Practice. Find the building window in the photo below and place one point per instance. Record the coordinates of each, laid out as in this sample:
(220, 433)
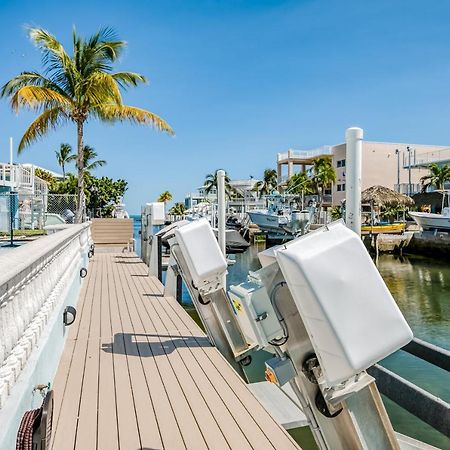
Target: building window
(341, 163)
(339, 188)
(343, 187)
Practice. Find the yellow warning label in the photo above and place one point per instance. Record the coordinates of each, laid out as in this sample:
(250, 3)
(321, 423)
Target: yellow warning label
(270, 376)
(237, 305)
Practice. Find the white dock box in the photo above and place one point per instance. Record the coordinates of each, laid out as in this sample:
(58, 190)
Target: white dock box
(201, 252)
(349, 313)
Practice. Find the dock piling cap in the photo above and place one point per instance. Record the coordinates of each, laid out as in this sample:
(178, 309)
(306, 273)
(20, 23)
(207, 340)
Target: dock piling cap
(354, 133)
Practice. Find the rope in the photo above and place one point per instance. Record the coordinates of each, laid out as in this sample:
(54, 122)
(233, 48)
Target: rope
(28, 424)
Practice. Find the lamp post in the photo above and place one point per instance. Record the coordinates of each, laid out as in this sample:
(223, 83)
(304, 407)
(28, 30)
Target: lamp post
(12, 212)
(93, 191)
(397, 152)
(408, 149)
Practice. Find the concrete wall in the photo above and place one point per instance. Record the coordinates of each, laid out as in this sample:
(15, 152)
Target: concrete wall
(37, 281)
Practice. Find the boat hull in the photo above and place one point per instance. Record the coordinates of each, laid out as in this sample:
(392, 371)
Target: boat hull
(430, 221)
(387, 228)
(268, 222)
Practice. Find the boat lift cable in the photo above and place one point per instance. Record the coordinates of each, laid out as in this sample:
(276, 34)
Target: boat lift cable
(273, 301)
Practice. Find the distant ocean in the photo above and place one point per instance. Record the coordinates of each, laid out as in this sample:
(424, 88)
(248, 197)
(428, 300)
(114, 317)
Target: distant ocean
(136, 231)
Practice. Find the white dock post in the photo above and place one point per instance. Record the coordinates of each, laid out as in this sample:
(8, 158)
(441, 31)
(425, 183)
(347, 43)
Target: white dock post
(353, 138)
(221, 209)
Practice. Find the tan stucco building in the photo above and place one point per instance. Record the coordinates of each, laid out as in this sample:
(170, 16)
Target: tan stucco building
(397, 166)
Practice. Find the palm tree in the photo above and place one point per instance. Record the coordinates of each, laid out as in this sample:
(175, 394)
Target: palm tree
(165, 197)
(323, 176)
(300, 184)
(437, 177)
(89, 159)
(75, 88)
(64, 155)
(178, 209)
(267, 184)
(211, 183)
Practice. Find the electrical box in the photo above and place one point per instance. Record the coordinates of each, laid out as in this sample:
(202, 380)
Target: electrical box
(200, 249)
(157, 213)
(348, 311)
(279, 371)
(255, 313)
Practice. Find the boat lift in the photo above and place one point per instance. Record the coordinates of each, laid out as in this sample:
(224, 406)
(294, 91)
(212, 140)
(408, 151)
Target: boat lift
(321, 307)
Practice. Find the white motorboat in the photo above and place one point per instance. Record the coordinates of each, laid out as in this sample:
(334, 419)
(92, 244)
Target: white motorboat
(285, 224)
(430, 221)
(269, 220)
(433, 221)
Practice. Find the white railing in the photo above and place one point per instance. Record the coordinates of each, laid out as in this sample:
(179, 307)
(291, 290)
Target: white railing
(7, 173)
(35, 279)
(425, 159)
(408, 189)
(19, 177)
(325, 150)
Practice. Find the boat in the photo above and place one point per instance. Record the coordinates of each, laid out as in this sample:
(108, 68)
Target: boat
(234, 242)
(397, 227)
(268, 220)
(433, 221)
(282, 218)
(120, 212)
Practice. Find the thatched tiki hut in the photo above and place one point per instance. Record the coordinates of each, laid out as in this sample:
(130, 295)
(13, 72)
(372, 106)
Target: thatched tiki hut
(382, 196)
(382, 199)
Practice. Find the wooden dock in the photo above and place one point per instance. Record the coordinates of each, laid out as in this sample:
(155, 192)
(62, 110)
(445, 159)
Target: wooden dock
(138, 373)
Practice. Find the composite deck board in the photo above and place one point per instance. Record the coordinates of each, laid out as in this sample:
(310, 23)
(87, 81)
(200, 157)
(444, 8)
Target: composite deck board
(137, 373)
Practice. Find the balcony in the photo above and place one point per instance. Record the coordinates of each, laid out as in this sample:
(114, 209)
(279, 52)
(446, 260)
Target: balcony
(304, 155)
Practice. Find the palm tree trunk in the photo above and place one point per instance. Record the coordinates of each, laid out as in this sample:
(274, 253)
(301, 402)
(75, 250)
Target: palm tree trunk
(81, 199)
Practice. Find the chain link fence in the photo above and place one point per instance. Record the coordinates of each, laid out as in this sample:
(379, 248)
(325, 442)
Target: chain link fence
(20, 211)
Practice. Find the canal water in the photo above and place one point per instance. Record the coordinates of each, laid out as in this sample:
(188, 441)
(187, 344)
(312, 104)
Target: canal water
(421, 287)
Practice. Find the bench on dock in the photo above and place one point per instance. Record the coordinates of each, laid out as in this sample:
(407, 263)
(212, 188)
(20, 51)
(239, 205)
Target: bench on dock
(113, 233)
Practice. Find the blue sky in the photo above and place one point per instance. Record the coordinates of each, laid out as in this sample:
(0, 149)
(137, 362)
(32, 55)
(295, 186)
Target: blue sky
(240, 81)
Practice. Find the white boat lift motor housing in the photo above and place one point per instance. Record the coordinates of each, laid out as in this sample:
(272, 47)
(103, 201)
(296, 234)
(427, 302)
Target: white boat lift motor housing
(206, 263)
(349, 313)
(157, 213)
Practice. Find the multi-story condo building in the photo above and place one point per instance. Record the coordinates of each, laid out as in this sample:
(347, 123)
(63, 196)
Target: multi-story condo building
(397, 166)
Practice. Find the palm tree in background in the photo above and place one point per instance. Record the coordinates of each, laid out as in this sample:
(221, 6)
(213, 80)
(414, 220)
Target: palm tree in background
(300, 184)
(178, 209)
(323, 176)
(165, 197)
(75, 88)
(437, 177)
(267, 184)
(90, 162)
(64, 156)
(210, 183)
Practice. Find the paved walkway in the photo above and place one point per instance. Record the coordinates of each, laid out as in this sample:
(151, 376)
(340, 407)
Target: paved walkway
(137, 373)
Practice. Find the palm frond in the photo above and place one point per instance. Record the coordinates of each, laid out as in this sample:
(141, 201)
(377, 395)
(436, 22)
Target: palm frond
(59, 65)
(126, 79)
(121, 113)
(38, 98)
(50, 119)
(101, 88)
(28, 79)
